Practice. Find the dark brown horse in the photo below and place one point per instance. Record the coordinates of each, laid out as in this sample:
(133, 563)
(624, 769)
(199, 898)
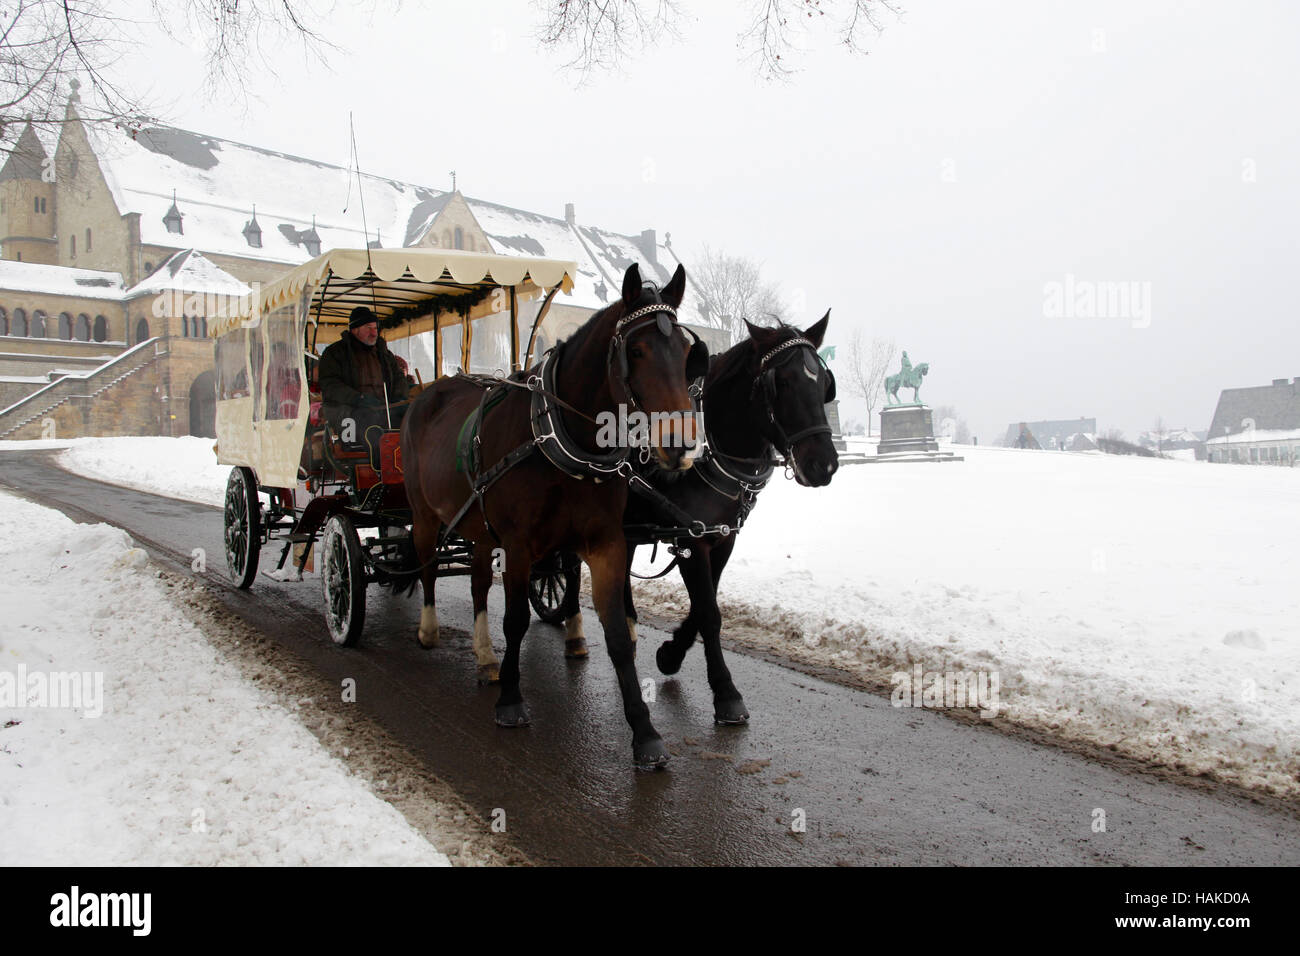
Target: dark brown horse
(632, 355)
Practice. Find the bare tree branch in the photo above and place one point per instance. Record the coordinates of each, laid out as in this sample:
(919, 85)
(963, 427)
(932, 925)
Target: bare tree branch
(602, 34)
(731, 289)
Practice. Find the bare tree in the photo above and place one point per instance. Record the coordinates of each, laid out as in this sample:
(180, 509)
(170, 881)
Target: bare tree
(602, 33)
(1158, 433)
(731, 289)
(869, 363)
(46, 45)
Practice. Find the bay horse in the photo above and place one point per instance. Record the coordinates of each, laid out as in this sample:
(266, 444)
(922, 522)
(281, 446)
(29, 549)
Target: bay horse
(554, 483)
(767, 393)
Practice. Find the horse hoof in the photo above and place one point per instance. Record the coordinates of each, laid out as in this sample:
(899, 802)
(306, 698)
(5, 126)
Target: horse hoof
(512, 715)
(489, 674)
(651, 755)
(428, 642)
(730, 713)
(669, 663)
(575, 647)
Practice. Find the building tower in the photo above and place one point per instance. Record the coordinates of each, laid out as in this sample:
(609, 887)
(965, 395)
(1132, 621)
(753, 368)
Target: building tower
(27, 202)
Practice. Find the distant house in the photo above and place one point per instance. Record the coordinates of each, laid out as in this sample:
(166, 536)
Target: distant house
(1259, 425)
(1076, 434)
(1175, 439)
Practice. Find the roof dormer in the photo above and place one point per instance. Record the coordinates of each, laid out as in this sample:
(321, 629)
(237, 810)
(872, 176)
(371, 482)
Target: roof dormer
(173, 218)
(253, 232)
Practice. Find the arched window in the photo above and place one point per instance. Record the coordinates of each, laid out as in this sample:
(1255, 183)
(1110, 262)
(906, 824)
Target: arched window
(74, 245)
(65, 326)
(141, 330)
(185, 326)
(38, 325)
(148, 268)
(204, 333)
(101, 329)
(87, 238)
(460, 238)
(4, 322)
(82, 330)
(19, 326)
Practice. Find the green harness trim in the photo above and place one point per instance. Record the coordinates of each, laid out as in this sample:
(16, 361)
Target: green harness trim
(466, 459)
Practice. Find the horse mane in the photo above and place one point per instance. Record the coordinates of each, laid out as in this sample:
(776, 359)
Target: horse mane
(734, 360)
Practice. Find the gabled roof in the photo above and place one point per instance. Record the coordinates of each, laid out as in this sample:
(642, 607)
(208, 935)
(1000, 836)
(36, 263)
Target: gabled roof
(27, 158)
(217, 181)
(189, 272)
(1271, 407)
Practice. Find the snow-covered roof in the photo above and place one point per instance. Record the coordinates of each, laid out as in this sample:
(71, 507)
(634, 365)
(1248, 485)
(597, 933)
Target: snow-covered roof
(189, 272)
(602, 256)
(60, 280)
(217, 182)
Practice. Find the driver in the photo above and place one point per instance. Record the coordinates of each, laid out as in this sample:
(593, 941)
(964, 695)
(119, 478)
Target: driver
(358, 374)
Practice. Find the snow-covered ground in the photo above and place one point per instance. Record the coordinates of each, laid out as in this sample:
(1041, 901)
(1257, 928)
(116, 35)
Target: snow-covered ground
(168, 757)
(1145, 605)
(177, 467)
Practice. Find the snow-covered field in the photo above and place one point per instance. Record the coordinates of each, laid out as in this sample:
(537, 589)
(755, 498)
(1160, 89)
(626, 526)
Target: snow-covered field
(1144, 605)
(168, 757)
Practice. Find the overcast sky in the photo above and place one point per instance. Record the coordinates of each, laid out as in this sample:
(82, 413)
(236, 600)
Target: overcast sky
(930, 192)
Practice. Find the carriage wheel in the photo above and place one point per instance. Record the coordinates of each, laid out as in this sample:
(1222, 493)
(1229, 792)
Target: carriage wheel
(243, 522)
(547, 589)
(344, 573)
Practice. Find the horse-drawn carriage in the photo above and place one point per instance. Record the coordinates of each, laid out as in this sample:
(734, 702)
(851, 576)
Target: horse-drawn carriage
(523, 467)
(299, 480)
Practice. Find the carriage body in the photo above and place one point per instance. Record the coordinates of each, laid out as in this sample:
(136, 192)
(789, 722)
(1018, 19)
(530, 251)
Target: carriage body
(296, 482)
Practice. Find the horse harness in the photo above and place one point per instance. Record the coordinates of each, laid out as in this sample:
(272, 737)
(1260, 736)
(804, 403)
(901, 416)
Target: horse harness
(549, 434)
(740, 479)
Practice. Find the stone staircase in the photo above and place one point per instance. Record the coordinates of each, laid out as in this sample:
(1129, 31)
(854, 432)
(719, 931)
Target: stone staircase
(18, 419)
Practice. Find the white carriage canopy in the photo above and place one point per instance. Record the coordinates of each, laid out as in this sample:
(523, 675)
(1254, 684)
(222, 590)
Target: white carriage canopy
(263, 339)
(400, 283)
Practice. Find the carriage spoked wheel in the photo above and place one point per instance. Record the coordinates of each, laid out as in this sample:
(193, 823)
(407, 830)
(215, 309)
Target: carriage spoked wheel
(243, 527)
(344, 573)
(547, 589)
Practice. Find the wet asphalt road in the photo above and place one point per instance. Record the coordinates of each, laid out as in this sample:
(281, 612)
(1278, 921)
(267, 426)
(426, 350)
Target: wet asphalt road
(875, 784)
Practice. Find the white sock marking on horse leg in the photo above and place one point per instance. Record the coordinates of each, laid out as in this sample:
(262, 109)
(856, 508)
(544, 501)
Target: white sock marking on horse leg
(631, 628)
(573, 628)
(428, 626)
(483, 641)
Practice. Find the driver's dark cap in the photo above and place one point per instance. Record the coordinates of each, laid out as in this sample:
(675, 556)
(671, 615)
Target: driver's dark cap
(361, 315)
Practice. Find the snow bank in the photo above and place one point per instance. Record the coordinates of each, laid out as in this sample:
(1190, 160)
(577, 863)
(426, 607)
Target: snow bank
(187, 764)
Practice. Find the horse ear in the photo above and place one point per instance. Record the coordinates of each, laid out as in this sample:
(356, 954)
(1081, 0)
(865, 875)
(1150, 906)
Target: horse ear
(758, 333)
(815, 333)
(631, 285)
(673, 292)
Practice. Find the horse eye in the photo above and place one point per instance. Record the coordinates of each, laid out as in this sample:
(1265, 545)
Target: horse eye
(635, 352)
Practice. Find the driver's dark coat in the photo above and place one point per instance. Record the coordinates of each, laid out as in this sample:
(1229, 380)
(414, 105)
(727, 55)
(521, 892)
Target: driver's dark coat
(339, 378)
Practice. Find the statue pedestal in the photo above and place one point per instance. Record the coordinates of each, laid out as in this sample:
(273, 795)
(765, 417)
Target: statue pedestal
(907, 434)
(833, 419)
(907, 429)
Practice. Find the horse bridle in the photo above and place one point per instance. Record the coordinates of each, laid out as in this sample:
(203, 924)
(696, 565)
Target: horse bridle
(766, 379)
(665, 318)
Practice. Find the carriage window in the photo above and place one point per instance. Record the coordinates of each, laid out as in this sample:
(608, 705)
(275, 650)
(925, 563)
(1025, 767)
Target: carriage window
(232, 376)
(450, 350)
(284, 371)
